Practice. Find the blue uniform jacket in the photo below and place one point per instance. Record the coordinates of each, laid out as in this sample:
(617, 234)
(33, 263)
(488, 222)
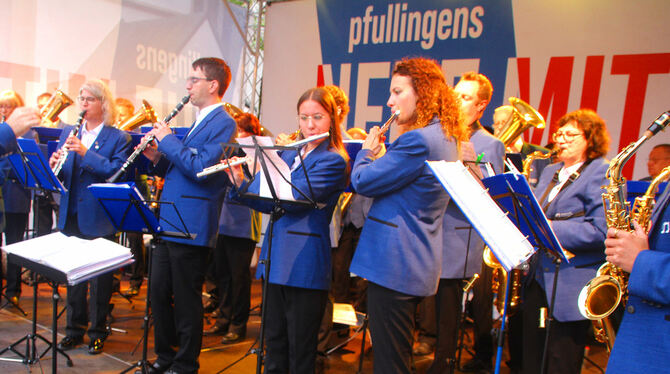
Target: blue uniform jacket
(642, 344)
(301, 237)
(107, 154)
(460, 260)
(578, 218)
(240, 221)
(196, 201)
(7, 139)
(400, 246)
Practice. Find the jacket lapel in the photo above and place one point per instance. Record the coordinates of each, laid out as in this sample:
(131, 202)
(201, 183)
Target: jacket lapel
(202, 125)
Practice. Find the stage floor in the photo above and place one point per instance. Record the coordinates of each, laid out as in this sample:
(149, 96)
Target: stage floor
(123, 348)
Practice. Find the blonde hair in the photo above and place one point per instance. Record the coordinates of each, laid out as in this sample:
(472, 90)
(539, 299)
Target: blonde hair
(102, 92)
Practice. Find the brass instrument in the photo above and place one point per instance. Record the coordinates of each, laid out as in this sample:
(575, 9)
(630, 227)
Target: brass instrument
(146, 114)
(602, 294)
(231, 109)
(61, 161)
(644, 205)
(50, 111)
(150, 138)
(387, 125)
(523, 117)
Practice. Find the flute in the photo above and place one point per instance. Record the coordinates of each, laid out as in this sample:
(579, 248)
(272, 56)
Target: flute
(61, 161)
(387, 125)
(150, 138)
(223, 166)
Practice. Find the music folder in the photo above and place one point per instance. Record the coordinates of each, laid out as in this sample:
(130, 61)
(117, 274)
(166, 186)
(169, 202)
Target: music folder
(125, 207)
(32, 169)
(510, 246)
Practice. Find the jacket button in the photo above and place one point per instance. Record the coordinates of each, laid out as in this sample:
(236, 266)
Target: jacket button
(630, 309)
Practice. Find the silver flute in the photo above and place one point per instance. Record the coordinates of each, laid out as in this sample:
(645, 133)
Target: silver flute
(75, 132)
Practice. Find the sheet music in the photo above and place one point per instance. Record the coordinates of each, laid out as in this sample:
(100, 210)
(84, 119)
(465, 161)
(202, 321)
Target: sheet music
(509, 245)
(77, 258)
(276, 168)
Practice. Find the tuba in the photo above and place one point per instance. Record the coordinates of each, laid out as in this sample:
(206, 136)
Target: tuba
(523, 117)
(602, 295)
(56, 104)
(146, 114)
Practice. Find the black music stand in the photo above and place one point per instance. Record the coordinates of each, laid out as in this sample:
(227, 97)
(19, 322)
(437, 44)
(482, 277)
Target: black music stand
(262, 158)
(56, 276)
(33, 172)
(513, 194)
(129, 212)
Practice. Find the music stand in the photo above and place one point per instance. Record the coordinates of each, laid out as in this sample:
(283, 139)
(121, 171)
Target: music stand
(262, 157)
(33, 172)
(513, 194)
(128, 211)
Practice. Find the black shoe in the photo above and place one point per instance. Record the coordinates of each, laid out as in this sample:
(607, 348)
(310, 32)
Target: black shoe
(422, 349)
(476, 365)
(95, 347)
(232, 337)
(157, 368)
(132, 291)
(70, 342)
(215, 330)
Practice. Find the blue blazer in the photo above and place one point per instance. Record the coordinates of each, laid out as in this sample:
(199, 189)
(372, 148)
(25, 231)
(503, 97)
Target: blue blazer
(642, 344)
(578, 219)
(301, 237)
(240, 221)
(107, 154)
(463, 247)
(400, 246)
(197, 201)
(7, 139)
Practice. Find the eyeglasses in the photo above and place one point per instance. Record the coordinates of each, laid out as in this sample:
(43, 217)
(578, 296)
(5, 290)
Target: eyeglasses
(88, 99)
(567, 136)
(314, 117)
(194, 80)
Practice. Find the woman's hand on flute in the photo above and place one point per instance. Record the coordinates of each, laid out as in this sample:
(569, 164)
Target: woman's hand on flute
(235, 172)
(375, 142)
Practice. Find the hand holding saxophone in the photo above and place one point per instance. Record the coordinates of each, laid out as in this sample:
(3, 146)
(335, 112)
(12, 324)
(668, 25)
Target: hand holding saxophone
(622, 247)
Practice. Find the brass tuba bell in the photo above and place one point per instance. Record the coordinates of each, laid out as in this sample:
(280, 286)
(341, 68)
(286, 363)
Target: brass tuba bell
(146, 114)
(231, 109)
(56, 104)
(523, 117)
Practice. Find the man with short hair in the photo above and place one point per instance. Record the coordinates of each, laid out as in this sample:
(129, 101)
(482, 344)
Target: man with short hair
(659, 158)
(178, 264)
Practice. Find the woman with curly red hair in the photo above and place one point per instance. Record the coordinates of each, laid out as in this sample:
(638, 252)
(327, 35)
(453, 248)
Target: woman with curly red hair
(400, 247)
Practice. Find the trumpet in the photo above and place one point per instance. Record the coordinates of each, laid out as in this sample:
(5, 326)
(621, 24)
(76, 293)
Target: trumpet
(145, 143)
(61, 161)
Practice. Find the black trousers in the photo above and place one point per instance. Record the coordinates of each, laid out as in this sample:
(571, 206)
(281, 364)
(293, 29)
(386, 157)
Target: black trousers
(137, 269)
(45, 210)
(448, 307)
(566, 339)
(15, 229)
(391, 316)
(292, 322)
(176, 300)
(232, 257)
(78, 314)
(482, 308)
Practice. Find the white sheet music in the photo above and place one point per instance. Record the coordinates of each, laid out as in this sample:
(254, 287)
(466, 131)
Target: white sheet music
(276, 168)
(508, 244)
(75, 257)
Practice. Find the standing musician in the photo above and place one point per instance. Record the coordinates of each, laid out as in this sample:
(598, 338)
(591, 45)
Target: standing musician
(239, 231)
(17, 202)
(570, 194)
(400, 247)
(178, 264)
(463, 247)
(642, 344)
(93, 156)
(300, 265)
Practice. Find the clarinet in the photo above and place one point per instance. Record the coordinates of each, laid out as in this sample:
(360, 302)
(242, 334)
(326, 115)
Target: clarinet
(61, 161)
(145, 143)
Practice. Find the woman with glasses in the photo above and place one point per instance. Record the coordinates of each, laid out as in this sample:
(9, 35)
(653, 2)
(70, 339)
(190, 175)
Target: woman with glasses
(300, 265)
(94, 155)
(569, 192)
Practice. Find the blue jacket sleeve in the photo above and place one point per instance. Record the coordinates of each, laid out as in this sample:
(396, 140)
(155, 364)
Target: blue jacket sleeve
(7, 139)
(402, 164)
(650, 278)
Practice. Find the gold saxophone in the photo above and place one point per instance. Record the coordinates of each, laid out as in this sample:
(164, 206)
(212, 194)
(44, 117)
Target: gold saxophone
(602, 294)
(499, 278)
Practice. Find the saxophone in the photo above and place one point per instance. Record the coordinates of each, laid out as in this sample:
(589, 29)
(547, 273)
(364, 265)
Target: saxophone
(603, 294)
